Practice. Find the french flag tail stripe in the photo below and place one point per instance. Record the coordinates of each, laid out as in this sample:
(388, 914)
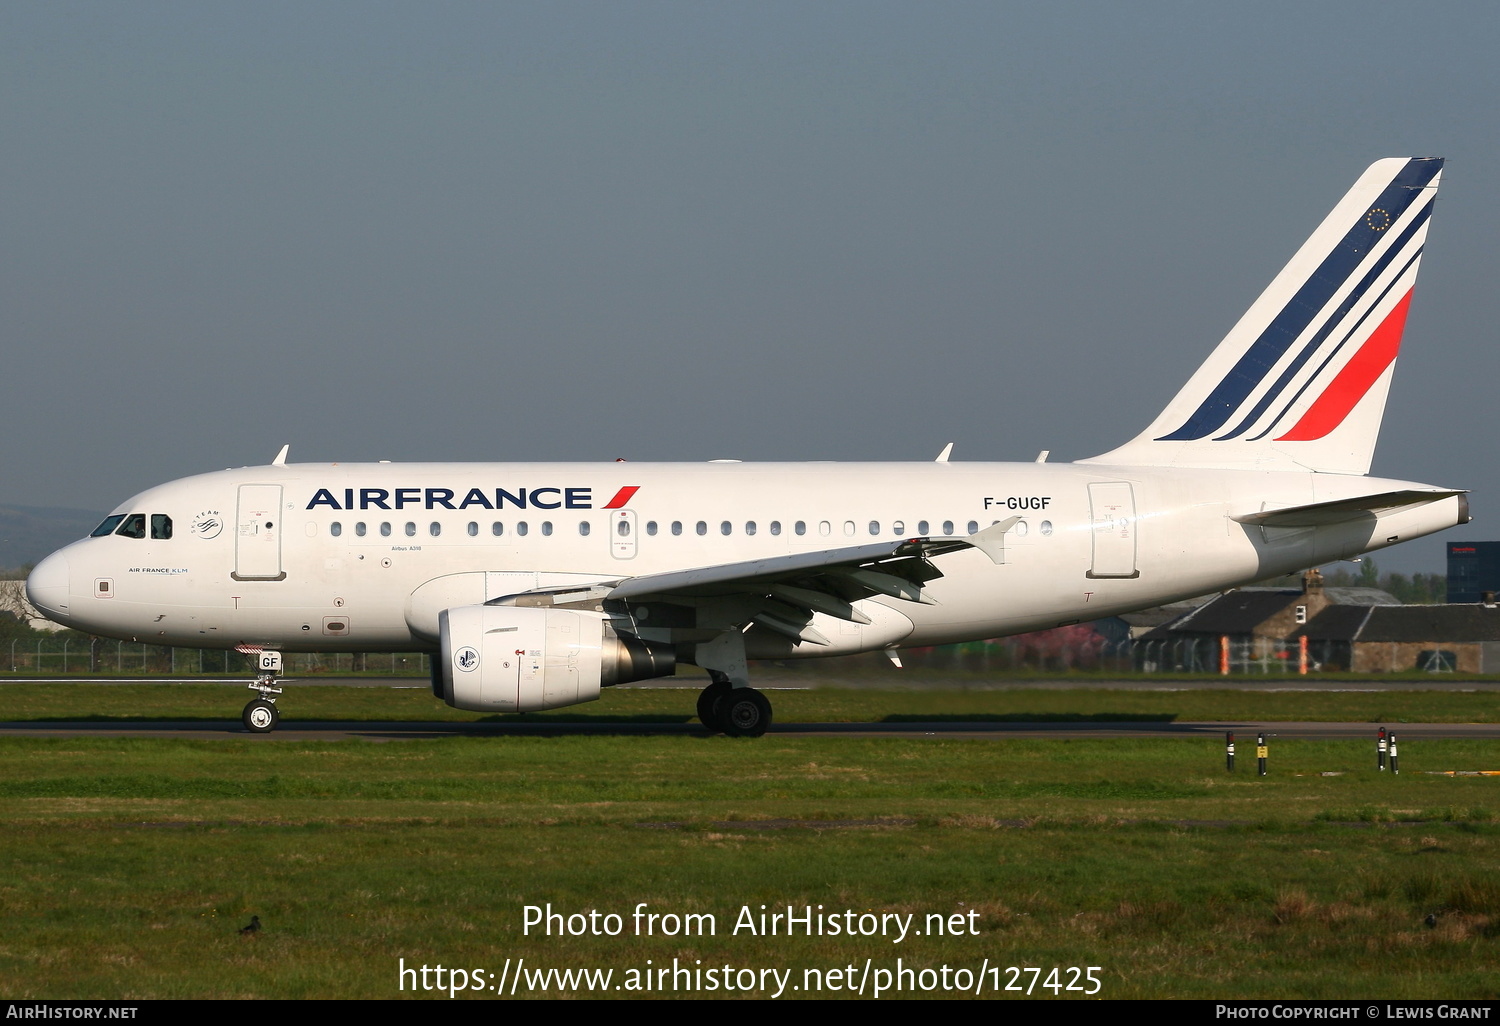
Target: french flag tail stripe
(1403, 279)
(1301, 380)
(1332, 322)
(1354, 380)
(1319, 287)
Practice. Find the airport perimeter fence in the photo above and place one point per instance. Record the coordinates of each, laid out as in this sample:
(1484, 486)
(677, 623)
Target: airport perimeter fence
(1040, 653)
(1195, 656)
(1027, 654)
(62, 656)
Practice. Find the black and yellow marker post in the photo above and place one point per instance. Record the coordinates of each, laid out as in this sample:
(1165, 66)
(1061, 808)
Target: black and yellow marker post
(1260, 754)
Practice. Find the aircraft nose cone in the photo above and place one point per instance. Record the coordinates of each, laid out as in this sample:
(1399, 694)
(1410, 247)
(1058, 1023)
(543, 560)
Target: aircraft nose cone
(47, 587)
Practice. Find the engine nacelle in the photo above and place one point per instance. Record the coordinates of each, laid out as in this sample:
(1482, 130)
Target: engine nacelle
(524, 659)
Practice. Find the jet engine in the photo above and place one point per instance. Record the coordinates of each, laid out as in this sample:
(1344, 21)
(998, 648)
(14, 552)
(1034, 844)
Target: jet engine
(524, 659)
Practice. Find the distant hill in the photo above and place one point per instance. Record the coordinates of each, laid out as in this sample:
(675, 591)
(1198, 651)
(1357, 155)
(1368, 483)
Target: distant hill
(28, 533)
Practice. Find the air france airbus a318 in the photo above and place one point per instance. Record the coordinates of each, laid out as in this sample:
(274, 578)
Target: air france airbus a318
(536, 584)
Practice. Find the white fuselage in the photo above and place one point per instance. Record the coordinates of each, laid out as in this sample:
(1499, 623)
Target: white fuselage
(361, 557)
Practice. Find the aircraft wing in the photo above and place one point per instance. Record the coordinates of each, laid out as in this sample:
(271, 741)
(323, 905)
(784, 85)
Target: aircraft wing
(1320, 514)
(891, 558)
(901, 560)
(783, 592)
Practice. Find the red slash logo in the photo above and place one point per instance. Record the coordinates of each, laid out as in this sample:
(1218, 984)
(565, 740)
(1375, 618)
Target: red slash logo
(623, 496)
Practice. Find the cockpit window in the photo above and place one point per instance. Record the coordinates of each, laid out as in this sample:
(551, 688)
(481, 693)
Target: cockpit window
(109, 525)
(161, 526)
(134, 526)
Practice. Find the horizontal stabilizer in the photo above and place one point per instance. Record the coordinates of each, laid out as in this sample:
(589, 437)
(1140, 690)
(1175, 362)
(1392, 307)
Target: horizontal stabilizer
(1320, 514)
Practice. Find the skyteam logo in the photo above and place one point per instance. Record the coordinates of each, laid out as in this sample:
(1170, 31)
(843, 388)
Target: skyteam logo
(473, 498)
(208, 524)
(1311, 358)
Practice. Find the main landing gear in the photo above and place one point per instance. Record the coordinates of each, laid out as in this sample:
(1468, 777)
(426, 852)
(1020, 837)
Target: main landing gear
(738, 712)
(261, 715)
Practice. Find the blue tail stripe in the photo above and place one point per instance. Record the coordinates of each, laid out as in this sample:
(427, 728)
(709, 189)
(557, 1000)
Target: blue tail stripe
(1299, 311)
(1332, 322)
(1338, 348)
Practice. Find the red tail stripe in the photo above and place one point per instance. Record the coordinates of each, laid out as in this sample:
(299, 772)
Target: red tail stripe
(622, 497)
(1350, 384)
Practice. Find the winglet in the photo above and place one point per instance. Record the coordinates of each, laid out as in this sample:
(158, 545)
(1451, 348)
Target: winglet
(943, 456)
(280, 460)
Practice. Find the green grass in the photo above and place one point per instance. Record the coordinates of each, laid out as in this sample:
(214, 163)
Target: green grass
(127, 865)
(331, 702)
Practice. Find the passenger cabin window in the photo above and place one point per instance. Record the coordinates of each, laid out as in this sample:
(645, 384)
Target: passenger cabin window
(434, 528)
(335, 528)
(109, 525)
(473, 529)
(411, 529)
(497, 529)
(947, 527)
(874, 527)
(776, 527)
(825, 528)
(546, 527)
(899, 527)
(134, 526)
(801, 527)
(702, 528)
(849, 528)
(385, 530)
(521, 528)
(922, 527)
(583, 527)
(973, 527)
(750, 527)
(622, 528)
(725, 527)
(651, 527)
(677, 527)
(359, 529)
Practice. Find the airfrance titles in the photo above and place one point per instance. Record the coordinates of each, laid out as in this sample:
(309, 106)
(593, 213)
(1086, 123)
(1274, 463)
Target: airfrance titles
(546, 497)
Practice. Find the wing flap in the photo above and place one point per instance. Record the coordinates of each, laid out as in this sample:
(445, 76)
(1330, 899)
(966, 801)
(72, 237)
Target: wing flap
(892, 558)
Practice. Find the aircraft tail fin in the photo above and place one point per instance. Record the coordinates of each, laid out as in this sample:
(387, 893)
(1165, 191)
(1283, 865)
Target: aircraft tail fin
(1300, 382)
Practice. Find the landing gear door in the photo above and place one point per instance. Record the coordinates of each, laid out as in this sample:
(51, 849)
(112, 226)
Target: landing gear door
(257, 539)
(622, 533)
(1112, 510)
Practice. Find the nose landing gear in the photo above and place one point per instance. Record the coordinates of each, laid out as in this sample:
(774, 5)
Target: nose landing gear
(261, 715)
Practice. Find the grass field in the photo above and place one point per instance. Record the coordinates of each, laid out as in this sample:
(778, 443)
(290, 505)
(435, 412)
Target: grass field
(129, 864)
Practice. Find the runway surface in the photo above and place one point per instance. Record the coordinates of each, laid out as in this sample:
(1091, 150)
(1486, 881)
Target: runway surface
(291, 730)
(794, 682)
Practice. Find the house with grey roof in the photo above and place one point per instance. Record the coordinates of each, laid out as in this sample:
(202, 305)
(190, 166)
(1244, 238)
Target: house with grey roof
(1379, 639)
(1251, 625)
